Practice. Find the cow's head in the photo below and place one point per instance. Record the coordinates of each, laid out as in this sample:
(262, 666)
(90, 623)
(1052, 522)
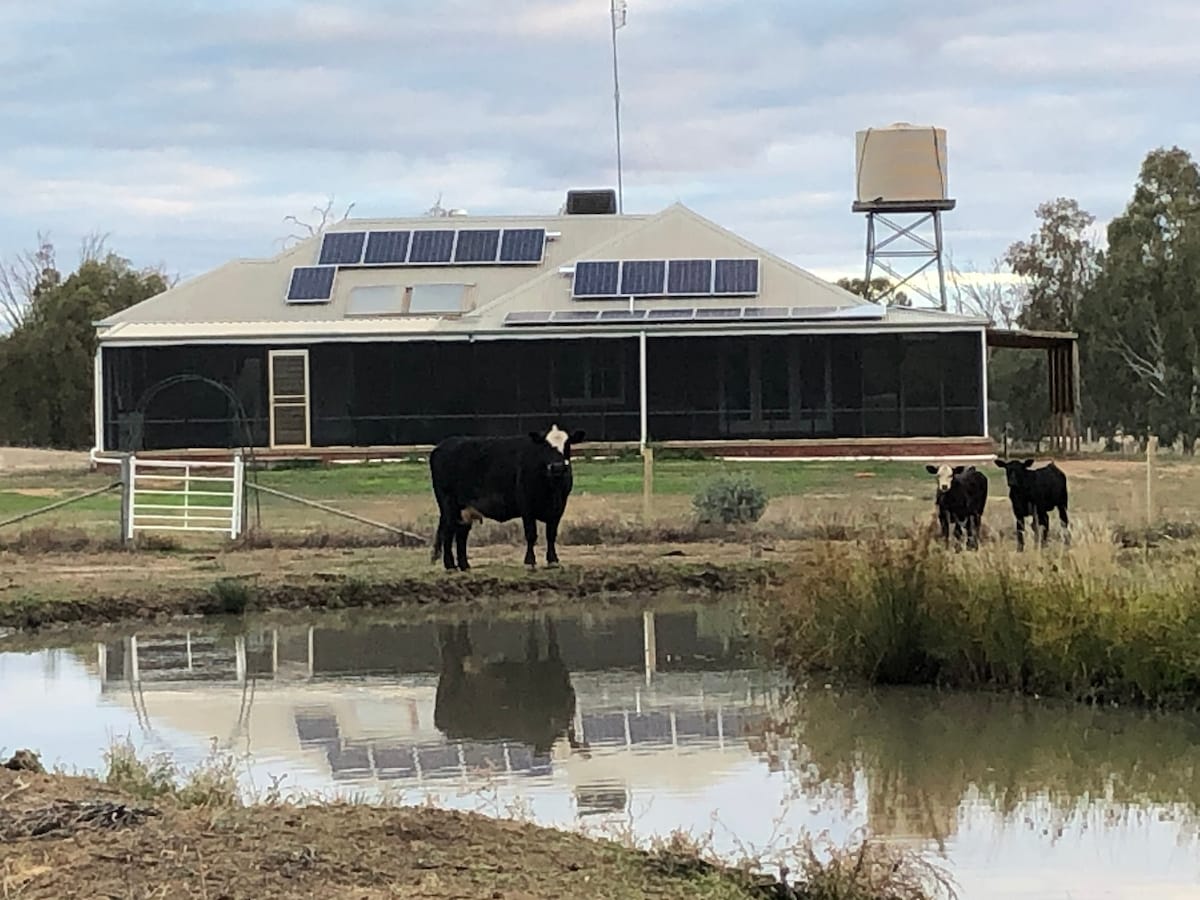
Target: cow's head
(1017, 471)
(555, 445)
(945, 475)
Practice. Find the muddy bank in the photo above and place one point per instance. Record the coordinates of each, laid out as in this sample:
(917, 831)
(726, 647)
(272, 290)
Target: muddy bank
(102, 590)
(75, 837)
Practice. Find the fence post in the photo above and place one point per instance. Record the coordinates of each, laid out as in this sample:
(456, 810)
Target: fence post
(238, 495)
(126, 498)
(1151, 452)
(647, 484)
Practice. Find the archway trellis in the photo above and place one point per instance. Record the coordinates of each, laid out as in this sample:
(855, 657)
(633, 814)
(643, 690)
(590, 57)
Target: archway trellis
(241, 419)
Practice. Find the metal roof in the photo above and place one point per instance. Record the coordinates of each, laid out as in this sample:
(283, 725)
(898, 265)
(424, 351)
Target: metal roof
(244, 300)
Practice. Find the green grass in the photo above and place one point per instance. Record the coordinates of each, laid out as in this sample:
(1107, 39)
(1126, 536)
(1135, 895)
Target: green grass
(616, 476)
(1092, 624)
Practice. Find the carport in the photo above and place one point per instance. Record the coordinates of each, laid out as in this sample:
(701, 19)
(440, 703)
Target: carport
(1062, 357)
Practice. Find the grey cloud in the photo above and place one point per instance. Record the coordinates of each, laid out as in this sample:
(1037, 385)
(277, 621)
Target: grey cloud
(746, 111)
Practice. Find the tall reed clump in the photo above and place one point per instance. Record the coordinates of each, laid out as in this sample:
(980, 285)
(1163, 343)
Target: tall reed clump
(1084, 623)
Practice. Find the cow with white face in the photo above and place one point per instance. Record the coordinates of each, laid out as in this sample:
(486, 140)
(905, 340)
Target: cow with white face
(961, 498)
(501, 478)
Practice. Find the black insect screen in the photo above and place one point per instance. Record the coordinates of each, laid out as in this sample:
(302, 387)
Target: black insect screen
(699, 388)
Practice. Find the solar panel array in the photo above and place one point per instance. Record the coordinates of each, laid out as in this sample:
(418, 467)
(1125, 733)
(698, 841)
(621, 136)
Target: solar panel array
(415, 247)
(710, 314)
(434, 246)
(603, 278)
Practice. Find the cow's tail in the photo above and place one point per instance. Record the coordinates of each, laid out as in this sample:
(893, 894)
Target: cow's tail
(437, 543)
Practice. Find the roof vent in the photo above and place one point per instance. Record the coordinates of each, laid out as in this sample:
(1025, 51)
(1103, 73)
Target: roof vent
(602, 202)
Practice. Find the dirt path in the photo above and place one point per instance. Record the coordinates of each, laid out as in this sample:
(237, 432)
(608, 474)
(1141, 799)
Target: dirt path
(284, 852)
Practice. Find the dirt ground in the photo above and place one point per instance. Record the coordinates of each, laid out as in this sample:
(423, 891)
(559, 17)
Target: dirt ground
(17, 459)
(63, 588)
(284, 852)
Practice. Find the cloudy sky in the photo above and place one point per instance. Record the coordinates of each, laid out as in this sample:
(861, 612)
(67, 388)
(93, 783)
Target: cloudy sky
(188, 129)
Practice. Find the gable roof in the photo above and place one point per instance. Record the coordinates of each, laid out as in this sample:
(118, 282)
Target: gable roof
(246, 297)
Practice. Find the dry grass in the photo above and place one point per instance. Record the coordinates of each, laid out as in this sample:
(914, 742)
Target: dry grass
(1094, 623)
(204, 842)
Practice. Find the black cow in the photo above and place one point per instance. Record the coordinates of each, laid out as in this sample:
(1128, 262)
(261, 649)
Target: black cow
(961, 497)
(501, 478)
(1034, 492)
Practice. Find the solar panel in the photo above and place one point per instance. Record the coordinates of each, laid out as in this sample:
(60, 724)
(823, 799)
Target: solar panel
(477, 245)
(643, 277)
(596, 279)
(431, 246)
(576, 315)
(671, 313)
(689, 276)
(342, 248)
(766, 312)
(522, 244)
(719, 312)
(622, 315)
(386, 247)
(736, 276)
(311, 283)
(527, 317)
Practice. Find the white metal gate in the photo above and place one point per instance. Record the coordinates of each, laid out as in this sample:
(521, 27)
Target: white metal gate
(169, 495)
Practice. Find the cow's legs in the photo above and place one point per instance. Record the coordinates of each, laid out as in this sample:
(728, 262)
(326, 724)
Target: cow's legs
(461, 533)
(551, 538)
(944, 520)
(530, 524)
(448, 535)
(1043, 525)
(1020, 532)
(447, 532)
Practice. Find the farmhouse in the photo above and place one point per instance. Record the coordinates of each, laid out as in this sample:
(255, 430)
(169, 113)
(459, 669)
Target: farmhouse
(379, 335)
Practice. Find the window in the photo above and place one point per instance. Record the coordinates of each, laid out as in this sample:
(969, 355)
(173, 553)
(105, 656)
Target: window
(589, 373)
(424, 299)
(375, 300)
(399, 300)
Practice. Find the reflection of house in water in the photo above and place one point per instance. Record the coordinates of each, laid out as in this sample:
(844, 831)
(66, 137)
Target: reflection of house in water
(609, 700)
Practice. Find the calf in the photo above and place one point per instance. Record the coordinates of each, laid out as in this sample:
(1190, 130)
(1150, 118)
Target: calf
(1034, 492)
(961, 497)
(501, 478)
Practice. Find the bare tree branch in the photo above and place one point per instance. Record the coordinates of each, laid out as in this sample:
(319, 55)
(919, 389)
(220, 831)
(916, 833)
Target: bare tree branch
(992, 299)
(1151, 369)
(93, 247)
(304, 230)
(19, 279)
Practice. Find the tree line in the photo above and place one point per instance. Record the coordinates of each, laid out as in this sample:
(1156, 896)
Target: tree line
(1132, 294)
(47, 350)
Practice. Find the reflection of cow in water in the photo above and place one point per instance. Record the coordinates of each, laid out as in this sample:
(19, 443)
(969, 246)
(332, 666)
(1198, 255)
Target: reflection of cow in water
(529, 700)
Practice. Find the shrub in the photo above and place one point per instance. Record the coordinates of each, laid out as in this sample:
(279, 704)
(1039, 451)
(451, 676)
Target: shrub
(730, 500)
(213, 783)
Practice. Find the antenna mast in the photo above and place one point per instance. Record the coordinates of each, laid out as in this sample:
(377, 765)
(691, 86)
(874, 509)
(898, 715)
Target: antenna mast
(618, 12)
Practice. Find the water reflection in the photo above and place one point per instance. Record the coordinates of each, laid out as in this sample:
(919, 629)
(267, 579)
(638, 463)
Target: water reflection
(651, 721)
(1037, 765)
(459, 700)
(529, 700)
